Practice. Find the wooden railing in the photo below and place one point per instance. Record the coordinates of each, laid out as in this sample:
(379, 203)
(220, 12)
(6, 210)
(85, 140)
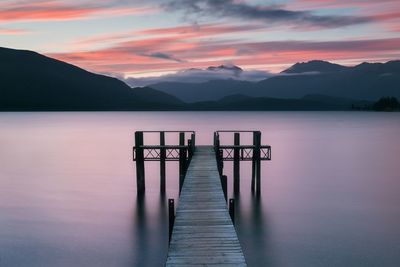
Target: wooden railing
(178, 152)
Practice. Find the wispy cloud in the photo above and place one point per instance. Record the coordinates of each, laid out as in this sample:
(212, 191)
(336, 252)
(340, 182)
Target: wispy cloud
(188, 33)
(383, 13)
(369, 45)
(8, 31)
(390, 20)
(133, 56)
(47, 10)
(203, 30)
(269, 14)
(340, 3)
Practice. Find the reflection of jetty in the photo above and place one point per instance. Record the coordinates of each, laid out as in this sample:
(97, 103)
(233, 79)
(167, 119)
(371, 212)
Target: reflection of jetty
(202, 232)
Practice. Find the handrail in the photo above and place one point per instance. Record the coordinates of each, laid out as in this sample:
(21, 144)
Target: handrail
(168, 131)
(242, 146)
(235, 131)
(161, 146)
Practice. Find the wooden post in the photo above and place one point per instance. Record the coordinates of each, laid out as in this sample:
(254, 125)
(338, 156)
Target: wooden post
(140, 179)
(220, 161)
(215, 140)
(224, 184)
(190, 148)
(193, 138)
(162, 162)
(185, 161)
(258, 162)
(182, 163)
(232, 210)
(236, 163)
(253, 163)
(171, 217)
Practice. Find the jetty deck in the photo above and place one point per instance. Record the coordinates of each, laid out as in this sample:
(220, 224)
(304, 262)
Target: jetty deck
(203, 233)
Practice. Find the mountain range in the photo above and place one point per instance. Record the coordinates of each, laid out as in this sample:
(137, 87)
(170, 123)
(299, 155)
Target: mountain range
(366, 81)
(31, 81)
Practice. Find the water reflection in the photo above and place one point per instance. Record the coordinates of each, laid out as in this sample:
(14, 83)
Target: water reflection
(141, 232)
(150, 230)
(253, 229)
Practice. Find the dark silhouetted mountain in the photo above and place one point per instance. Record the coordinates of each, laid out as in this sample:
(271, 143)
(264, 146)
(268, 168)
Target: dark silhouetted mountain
(151, 95)
(364, 81)
(30, 81)
(234, 98)
(311, 102)
(337, 102)
(211, 90)
(314, 66)
(388, 68)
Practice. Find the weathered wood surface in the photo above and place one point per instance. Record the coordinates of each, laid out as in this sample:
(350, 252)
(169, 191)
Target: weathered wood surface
(203, 233)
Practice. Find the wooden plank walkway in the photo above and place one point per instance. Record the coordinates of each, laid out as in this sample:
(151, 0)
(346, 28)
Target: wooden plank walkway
(203, 233)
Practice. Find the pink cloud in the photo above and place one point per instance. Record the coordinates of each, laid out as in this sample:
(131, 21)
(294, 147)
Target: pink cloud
(141, 55)
(5, 31)
(390, 20)
(188, 33)
(202, 30)
(57, 10)
(388, 16)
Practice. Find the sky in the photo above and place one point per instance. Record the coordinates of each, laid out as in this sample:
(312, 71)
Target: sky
(145, 38)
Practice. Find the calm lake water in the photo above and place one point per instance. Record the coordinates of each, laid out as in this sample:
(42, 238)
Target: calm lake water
(330, 195)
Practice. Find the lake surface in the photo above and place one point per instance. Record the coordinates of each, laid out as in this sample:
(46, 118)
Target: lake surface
(330, 195)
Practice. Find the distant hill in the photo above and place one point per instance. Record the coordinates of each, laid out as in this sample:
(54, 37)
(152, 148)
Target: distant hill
(152, 96)
(30, 81)
(368, 81)
(310, 102)
(314, 66)
(211, 90)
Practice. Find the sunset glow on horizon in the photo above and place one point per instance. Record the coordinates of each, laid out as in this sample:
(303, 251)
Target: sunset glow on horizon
(149, 38)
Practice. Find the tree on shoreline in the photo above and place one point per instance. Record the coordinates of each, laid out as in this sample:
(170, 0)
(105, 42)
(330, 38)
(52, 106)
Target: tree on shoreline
(386, 104)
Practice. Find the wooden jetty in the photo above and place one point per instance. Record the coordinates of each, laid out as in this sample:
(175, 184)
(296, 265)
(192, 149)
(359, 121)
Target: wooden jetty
(202, 232)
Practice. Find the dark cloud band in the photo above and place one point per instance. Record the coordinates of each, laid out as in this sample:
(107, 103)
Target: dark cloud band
(164, 56)
(268, 14)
